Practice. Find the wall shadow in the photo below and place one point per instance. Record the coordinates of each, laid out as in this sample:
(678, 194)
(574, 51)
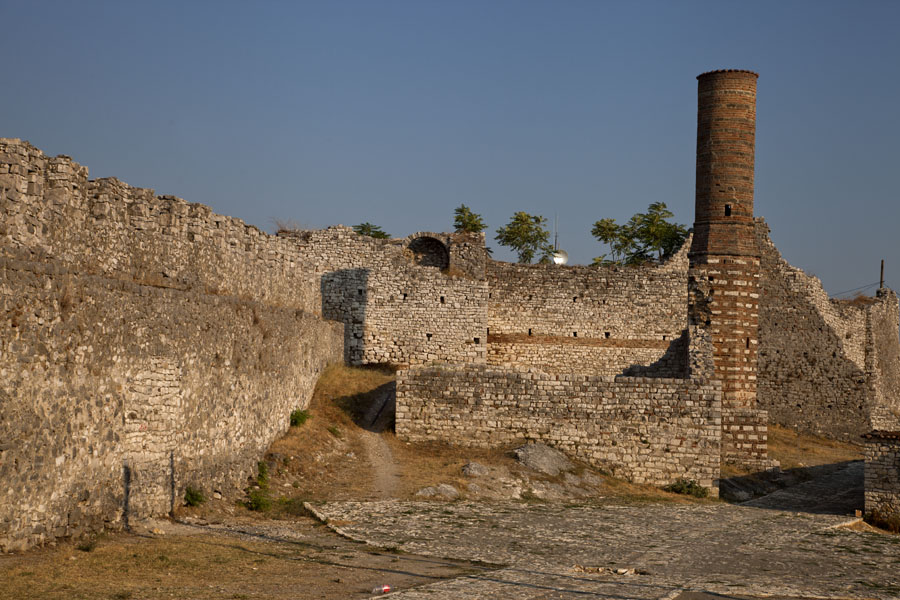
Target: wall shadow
(672, 364)
(344, 299)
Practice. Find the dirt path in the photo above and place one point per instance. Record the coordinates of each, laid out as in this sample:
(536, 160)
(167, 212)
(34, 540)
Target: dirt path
(384, 469)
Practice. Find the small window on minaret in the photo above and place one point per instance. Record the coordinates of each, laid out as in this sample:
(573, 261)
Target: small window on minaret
(727, 210)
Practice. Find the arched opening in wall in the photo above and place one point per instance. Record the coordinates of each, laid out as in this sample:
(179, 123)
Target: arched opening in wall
(429, 252)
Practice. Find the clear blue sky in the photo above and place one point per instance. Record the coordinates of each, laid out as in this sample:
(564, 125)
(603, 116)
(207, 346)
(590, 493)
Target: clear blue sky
(397, 112)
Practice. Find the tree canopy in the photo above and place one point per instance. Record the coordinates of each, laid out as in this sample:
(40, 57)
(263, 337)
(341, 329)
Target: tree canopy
(527, 236)
(645, 237)
(464, 220)
(370, 230)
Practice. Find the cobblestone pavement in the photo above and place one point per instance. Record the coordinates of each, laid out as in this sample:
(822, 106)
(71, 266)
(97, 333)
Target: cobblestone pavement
(838, 493)
(629, 552)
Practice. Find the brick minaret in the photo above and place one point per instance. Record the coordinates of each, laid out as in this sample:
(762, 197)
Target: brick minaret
(724, 258)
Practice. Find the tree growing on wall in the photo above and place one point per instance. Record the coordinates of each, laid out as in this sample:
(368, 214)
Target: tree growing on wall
(527, 236)
(465, 221)
(645, 237)
(371, 230)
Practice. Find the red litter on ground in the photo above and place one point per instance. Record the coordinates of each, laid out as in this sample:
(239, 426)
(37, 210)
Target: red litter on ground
(382, 589)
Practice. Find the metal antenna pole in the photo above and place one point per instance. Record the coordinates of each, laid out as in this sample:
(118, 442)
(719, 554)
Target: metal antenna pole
(881, 284)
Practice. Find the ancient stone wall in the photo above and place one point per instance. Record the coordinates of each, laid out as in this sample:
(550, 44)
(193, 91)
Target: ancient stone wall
(882, 454)
(825, 366)
(51, 211)
(647, 430)
(404, 301)
(145, 345)
(599, 320)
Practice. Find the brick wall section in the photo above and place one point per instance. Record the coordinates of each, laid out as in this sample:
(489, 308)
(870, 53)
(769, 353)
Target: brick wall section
(114, 396)
(826, 367)
(647, 430)
(882, 451)
(724, 258)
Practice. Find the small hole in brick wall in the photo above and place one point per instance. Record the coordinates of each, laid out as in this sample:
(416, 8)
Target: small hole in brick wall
(664, 338)
(529, 296)
(748, 343)
(428, 335)
(574, 334)
(529, 332)
(489, 331)
(575, 299)
(360, 292)
(442, 300)
(477, 340)
(404, 296)
(711, 278)
(606, 334)
(727, 210)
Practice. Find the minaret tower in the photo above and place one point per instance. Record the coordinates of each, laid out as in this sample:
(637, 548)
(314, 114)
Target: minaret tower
(724, 258)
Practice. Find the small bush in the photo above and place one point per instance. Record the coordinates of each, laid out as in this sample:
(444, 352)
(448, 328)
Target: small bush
(688, 487)
(259, 501)
(884, 519)
(263, 478)
(87, 545)
(193, 496)
(299, 417)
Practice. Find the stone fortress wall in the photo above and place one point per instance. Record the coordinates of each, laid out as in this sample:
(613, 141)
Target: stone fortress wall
(882, 472)
(145, 345)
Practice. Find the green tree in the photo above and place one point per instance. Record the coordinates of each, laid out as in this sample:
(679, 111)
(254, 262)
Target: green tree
(645, 237)
(370, 230)
(527, 236)
(466, 221)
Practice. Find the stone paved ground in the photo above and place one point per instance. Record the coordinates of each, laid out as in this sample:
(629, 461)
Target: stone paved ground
(555, 551)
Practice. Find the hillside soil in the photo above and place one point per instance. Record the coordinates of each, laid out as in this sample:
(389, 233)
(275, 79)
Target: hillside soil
(345, 449)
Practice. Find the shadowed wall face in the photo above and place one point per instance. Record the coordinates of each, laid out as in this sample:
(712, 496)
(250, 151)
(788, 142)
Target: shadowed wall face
(724, 258)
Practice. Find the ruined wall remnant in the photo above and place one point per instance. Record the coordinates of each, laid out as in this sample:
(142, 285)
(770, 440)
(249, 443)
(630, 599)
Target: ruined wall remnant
(647, 430)
(724, 258)
(405, 301)
(827, 367)
(599, 320)
(145, 345)
(882, 453)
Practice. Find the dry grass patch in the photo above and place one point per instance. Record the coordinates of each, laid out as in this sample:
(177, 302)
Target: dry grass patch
(795, 450)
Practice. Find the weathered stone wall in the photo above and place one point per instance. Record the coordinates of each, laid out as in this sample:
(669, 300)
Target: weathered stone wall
(826, 367)
(599, 320)
(114, 396)
(404, 301)
(145, 345)
(647, 430)
(882, 454)
(51, 211)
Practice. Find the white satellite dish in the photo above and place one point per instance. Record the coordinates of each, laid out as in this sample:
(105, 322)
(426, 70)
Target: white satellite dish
(560, 257)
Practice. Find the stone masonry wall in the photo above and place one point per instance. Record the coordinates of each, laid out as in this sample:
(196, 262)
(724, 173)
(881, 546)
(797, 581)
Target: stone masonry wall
(51, 211)
(882, 454)
(825, 366)
(647, 430)
(145, 345)
(405, 301)
(599, 320)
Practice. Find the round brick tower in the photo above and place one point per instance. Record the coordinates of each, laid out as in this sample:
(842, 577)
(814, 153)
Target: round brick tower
(724, 258)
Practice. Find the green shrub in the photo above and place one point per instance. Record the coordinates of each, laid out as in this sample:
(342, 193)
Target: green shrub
(193, 496)
(688, 487)
(299, 417)
(259, 500)
(884, 519)
(87, 545)
(263, 478)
